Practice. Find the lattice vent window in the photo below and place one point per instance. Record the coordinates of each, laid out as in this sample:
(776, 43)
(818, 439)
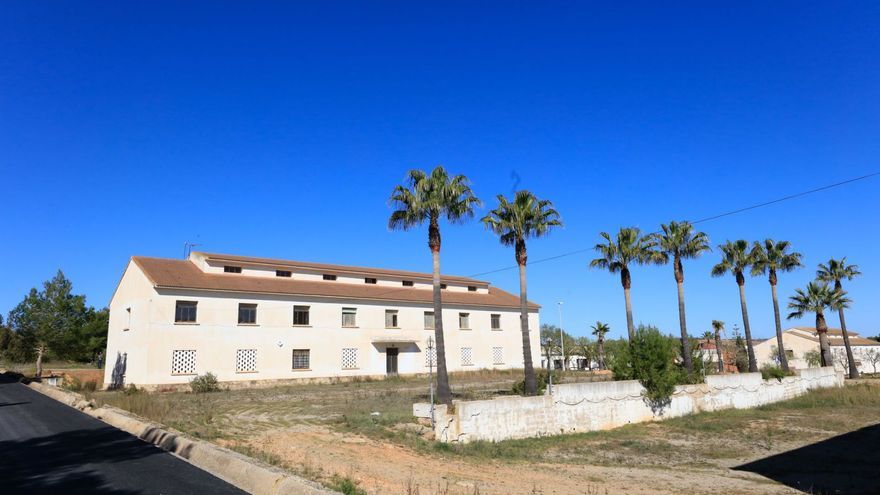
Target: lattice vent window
(349, 359)
(431, 357)
(467, 356)
(183, 362)
(246, 361)
(498, 355)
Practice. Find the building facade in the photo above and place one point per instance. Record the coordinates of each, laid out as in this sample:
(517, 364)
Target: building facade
(799, 341)
(255, 319)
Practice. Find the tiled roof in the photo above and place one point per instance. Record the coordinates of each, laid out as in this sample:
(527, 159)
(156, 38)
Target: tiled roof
(835, 336)
(184, 274)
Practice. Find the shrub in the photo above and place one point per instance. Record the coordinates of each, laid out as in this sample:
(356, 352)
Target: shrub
(90, 386)
(542, 376)
(73, 384)
(131, 389)
(768, 372)
(346, 486)
(204, 383)
(650, 359)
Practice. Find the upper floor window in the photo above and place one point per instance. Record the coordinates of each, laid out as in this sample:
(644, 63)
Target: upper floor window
(232, 269)
(329, 277)
(349, 317)
(391, 318)
(247, 314)
(496, 322)
(283, 273)
(370, 280)
(464, 321)
(443, 286)
(127, 319)
(185, 312)
(301, 315)
(429, 320)
(407, 283)
(471, 288)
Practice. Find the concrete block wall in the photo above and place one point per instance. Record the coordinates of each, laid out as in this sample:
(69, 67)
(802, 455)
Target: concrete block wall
(580, 407)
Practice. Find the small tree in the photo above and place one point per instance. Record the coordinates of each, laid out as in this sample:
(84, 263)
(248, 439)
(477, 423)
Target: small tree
(873, 357)
(813, 358)
(650, 360)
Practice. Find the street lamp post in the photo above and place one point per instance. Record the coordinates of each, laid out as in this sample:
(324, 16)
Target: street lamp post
(561, 337)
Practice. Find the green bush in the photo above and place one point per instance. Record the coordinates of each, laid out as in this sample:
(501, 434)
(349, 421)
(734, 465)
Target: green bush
(768, 372)
(90, 386)
(650, 359)
(346, 486)
(542, 376)
(204, 383)
(131, 389)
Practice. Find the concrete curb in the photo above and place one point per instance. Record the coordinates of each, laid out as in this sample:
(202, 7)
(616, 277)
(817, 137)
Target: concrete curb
(239, 470)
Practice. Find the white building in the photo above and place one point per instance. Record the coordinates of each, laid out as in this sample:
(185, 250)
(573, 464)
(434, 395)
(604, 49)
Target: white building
(798, 341)
(255, 319)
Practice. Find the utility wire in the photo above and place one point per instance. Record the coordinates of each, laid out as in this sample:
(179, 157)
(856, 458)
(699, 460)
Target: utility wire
(707, 219)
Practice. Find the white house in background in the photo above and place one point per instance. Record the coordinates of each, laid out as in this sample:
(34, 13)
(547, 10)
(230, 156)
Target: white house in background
(800, 340)
(253, 319)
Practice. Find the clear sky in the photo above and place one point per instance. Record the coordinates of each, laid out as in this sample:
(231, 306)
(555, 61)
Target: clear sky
(280, 129)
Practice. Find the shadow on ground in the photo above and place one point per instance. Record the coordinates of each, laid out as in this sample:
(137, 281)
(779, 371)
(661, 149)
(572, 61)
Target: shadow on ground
(67, 462)
(847, 464)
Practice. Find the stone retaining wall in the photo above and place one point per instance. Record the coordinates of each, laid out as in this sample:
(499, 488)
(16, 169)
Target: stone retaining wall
(579, 407)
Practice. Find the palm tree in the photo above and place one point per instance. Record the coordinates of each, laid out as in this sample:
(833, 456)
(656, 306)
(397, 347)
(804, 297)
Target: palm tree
(678, 241)
(718, 327)
(516, 221)
(617, 255)
(599, 330)
(835, 271)
(429, 197)
(815, 299)
(773, 257)
(736, 258)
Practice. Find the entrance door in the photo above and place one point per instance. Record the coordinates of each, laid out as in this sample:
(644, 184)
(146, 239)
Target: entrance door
(391, 360)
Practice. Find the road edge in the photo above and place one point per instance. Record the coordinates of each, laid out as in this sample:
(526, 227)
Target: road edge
(236, 469)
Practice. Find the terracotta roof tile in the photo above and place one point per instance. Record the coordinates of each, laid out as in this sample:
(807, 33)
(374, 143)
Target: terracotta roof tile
(184, 274)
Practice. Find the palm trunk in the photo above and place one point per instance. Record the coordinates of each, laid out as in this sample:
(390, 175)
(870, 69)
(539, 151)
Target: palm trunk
(630, 328)
(753, 365)
(783, 359)
(853, 371)
(685, 341)
(40, 350)
(531, 386)
(824, 349)
(718, 351)
(444, 395)
(601, 349)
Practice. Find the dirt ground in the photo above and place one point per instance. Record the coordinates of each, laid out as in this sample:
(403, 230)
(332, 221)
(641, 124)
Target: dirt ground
(322, 432)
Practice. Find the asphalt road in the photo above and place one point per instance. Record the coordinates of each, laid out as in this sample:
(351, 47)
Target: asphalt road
(47, 448)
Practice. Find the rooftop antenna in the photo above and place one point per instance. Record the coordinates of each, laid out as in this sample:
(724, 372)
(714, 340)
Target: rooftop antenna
(187, 248)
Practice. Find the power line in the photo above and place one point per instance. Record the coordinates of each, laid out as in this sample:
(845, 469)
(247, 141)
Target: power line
(707, 219)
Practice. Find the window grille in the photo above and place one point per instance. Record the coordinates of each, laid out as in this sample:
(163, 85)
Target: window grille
(183, 362)
(498, 355)
(300, 315)
(283, 273)
(329, 277)
(232, 269)
(246, 360)
(431, 357)
(300, 359)
(185, 312)
(247, 314)
(407, 283)
(349, 359)
(369, 280)
(467, 358)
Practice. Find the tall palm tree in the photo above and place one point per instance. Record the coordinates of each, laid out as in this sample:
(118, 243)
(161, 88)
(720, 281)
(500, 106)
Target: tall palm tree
(516, 221)
(676, 242)
(599, 330)
(772, 257)
(430, 197)
(718, 327)
(737, 258)
(835, 271)
(617, 255)
(817, 297)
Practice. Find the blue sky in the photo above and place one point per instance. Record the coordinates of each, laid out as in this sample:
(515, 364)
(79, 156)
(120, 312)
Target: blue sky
(280, 129)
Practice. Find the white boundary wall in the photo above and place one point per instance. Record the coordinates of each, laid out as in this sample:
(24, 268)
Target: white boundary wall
(579, 407)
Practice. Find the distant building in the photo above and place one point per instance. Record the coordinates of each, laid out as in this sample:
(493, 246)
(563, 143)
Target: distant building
(798, 341)
(253, 319)
(709, 355)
